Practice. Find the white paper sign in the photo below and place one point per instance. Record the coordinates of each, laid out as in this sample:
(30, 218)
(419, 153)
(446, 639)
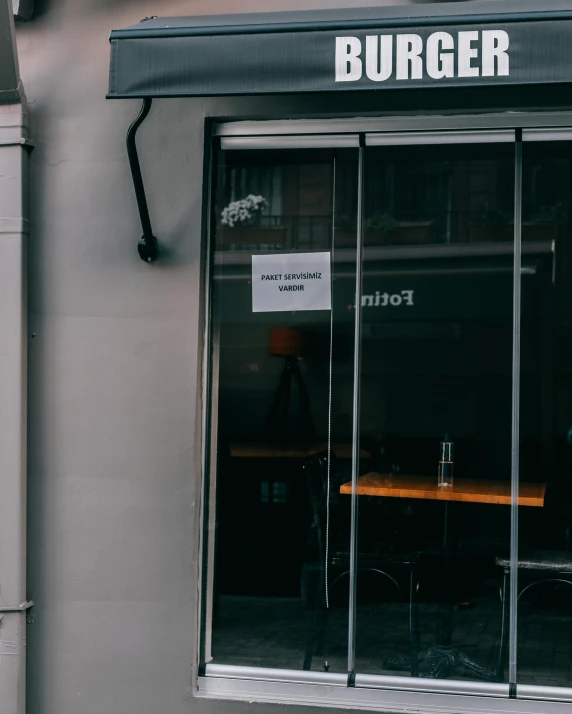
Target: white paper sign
(291, 281)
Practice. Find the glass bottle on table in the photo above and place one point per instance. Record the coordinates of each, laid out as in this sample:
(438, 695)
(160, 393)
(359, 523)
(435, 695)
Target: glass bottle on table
(446, 463)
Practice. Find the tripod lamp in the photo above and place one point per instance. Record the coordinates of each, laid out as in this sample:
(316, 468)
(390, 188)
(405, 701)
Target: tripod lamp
(290, 344)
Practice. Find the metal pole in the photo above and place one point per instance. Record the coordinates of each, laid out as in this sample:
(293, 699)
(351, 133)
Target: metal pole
(356, 421)
(13, 421)
(515, 414)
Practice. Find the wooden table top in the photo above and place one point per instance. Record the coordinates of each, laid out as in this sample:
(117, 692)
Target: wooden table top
(467, 490)
(290, 451)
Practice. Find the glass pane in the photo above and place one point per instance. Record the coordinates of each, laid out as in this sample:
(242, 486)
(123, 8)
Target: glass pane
(544, 644)
(282, 381)
(436, 378)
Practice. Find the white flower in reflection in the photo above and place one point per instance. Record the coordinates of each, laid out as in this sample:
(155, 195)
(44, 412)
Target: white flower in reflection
(243, 211)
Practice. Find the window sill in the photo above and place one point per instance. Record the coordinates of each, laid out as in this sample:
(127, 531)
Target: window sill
(388, 700)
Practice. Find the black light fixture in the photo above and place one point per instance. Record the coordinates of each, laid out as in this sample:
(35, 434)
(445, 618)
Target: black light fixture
(148, 246)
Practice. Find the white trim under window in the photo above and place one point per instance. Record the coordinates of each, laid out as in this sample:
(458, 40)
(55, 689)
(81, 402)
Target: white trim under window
(386, 700)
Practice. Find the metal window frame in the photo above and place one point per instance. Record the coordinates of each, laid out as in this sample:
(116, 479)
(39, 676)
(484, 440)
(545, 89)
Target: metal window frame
(352, 606)
(431, 138)
(356, 690)
(537, 121)
(290, 141)
(547, 134)
(515, 426)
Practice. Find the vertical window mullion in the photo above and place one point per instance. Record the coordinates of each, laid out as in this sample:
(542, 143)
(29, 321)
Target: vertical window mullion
(209, 425)
(515, 430)
(356, 416)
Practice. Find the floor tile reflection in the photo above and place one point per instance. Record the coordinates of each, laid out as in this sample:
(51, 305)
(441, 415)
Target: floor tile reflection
(272, 632)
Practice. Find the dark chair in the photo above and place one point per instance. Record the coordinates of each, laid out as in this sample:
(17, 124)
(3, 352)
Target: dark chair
(540, 567)
(338, 562)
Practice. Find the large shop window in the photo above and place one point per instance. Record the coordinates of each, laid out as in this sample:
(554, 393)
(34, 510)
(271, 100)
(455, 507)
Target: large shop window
(390, 417)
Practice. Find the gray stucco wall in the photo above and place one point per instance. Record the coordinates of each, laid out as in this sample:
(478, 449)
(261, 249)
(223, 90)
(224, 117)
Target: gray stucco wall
(114, 371)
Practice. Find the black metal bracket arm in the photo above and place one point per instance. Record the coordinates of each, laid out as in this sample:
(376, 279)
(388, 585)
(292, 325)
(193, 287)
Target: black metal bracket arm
(148, 246)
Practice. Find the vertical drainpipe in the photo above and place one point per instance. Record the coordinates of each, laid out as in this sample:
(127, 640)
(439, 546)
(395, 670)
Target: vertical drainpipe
(13, 377)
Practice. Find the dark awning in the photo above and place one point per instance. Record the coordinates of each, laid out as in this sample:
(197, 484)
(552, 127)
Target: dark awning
(467, 44)
(10, 86)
